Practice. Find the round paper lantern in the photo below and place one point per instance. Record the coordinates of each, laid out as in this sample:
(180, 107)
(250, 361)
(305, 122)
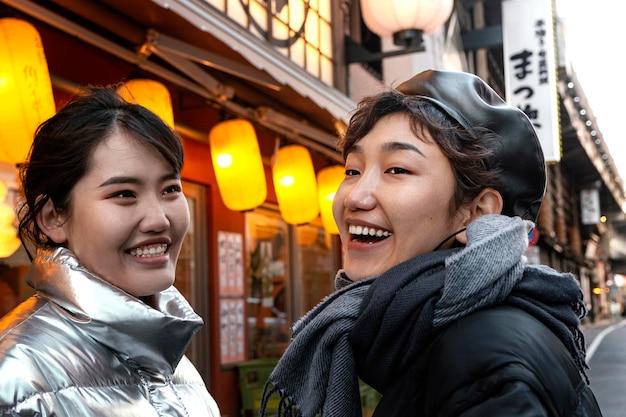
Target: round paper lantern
(26, 98)
(151, 94)
(237, 164)
(328, 181)
(401, 19)
(9, 242)
(295, 184)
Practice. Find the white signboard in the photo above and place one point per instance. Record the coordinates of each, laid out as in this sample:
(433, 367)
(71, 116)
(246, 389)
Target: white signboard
(590, 206)
(530, 68)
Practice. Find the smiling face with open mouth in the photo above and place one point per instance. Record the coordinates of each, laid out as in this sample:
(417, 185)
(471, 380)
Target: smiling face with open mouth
(128, 217)
(394, 202)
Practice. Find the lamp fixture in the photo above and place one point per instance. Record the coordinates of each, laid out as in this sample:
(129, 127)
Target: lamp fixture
(151, 94)
(295, 184)
(405, 21)
(26, 98)
(238, 165)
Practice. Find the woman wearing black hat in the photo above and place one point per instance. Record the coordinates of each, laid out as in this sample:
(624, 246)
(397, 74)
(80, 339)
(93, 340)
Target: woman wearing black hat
(435, 306)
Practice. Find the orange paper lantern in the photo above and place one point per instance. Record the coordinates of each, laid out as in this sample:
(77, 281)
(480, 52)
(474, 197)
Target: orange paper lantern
(26, 98)
(328, 181)
(151, 94)
(295, 184)
(238, 165)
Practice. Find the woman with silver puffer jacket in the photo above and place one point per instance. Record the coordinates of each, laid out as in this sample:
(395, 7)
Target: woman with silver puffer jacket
(82, 347)
(106, 332)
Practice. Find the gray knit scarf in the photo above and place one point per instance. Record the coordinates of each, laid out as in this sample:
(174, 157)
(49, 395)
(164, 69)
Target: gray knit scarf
(376, 327)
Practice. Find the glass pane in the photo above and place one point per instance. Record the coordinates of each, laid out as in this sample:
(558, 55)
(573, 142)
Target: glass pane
(237, 11)
(297, 52)
(324, 9)
(326, 39)
(280, 32)
(312, 60)
(327, 71)
(311, 30)
(316, 267)
(267, 245)
(258, 13)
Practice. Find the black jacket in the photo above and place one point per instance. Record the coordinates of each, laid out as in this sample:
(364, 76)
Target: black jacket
(499, 361)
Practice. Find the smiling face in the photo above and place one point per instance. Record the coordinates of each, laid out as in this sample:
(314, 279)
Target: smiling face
(128, 217)
(395, 200)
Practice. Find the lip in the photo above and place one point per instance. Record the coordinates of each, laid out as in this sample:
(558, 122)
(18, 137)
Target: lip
(154, 259)
(362, 246)
(151, 241)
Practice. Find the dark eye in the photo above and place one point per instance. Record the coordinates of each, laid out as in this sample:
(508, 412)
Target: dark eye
(396, 170)
(173, 189)
(123, 194)
(351, 172)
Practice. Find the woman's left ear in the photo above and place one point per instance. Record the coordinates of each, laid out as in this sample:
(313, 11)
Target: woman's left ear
(51, 223)
(489, 201)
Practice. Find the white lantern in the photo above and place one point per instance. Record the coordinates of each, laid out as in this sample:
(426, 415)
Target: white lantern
(405, 20)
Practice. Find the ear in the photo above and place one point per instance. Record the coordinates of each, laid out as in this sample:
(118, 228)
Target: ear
(51, 223)
(489, 201)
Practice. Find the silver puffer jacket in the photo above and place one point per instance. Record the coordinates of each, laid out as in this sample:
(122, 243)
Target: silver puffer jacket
(82, 347)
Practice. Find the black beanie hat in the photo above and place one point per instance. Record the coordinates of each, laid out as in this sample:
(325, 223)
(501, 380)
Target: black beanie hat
(472, 103)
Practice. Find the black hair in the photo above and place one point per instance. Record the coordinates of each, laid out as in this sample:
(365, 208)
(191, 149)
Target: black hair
(63, 145)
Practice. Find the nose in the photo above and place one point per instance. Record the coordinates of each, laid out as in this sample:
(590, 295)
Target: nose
(155, 217)
(361, 195)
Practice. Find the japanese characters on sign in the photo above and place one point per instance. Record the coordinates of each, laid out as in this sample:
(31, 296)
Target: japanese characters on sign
(530, 68)
(231, 297)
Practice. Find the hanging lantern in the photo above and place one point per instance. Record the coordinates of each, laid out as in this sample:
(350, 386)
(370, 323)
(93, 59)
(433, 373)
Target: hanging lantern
(26, 98)
(238, 165)
(9, 242)
(151, 94)
(295, 184)
(328, 181)
(405, 20)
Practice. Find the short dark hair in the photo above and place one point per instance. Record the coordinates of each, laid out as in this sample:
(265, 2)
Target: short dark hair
(63, 145)
(466, 149)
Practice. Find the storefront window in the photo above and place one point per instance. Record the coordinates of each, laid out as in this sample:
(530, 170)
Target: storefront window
(268, 275)
(291, 270)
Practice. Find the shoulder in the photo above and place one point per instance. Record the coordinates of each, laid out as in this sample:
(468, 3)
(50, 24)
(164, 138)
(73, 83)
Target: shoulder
(499, 336)
(190, 383)
(503, 349)
(42, 351)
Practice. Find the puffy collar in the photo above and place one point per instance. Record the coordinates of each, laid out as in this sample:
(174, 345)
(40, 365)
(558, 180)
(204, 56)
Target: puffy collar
(146, 337)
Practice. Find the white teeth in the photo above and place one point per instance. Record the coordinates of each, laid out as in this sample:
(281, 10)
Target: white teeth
(149, 251)
(368, 231)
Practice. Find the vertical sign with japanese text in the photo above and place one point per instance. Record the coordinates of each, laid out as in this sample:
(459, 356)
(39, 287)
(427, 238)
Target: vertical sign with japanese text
(530, 68)
(590, 206)
(231, 297)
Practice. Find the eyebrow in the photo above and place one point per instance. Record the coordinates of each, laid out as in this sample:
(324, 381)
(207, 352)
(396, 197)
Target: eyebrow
(134, 180)
(390, 147)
